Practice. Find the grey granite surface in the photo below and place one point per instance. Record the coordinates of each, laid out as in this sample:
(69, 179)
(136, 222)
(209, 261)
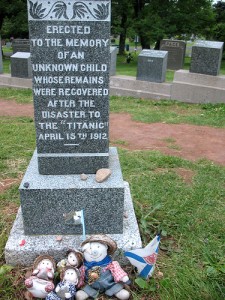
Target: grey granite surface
(70, 55)
(21, 65)
(206, 57)
(45, 199)
(21, 45)
(152, 65)
(113, 54)
(176, 53)
(36, 245)
(77, 163)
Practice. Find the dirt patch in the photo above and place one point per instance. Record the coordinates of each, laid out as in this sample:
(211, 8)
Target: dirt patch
(192, 142)
(186, 174)
(7, 183)
(188, 141)
(14, 109)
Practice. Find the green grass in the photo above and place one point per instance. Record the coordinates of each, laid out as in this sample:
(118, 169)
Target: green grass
(19, 95)
(143, 110)
(190, 214)
(6, 66)
(173, 112)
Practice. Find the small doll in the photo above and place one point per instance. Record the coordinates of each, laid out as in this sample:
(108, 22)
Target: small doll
(66, 289)
(100, 273)
(40, 283)
(74, 259)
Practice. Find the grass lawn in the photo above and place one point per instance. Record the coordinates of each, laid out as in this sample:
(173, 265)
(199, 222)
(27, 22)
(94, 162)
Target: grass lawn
(190, 213)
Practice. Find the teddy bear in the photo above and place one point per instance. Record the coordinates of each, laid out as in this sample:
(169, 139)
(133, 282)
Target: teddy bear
(40, 283)
(100, 273)
(66, 288)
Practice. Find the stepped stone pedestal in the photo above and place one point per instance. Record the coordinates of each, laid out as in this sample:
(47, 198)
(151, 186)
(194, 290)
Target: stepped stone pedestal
(41, 244)
(49, 201)
(70, 60)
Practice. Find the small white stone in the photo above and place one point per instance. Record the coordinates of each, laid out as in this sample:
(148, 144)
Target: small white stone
(83, 176)
(59, 238)
(102, 174)
(125, 214)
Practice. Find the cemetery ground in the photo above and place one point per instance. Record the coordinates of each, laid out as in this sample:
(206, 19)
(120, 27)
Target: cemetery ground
(182, 196)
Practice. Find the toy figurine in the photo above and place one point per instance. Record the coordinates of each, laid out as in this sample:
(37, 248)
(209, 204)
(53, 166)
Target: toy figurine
(66, 289)
(74, 259)
(100, 273)
(40, 283)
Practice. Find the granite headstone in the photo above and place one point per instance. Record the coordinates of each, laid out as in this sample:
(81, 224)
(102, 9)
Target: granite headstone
(21, 45)
(206, 57)
(70, 58)
(21, 65)
(176, 53)
(152, 65)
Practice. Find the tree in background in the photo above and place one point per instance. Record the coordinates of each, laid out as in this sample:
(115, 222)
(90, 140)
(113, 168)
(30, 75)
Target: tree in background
(219, 28)
(13, 18)
(151, 20)
(122, 12)
(155, 20)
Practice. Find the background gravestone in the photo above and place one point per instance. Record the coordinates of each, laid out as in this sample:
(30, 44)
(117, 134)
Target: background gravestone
(21, 65)
(206, 57)
(1, 61)
(152, 65)
(21, 45)
(113, 54)
(176, 53)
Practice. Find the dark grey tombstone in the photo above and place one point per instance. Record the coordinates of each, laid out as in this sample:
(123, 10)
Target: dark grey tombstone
(152, 65)
(206, 57)
(176, 53)
(70, 57)
(21, 65)
(113, 53)
(21, 45)
(1, 61)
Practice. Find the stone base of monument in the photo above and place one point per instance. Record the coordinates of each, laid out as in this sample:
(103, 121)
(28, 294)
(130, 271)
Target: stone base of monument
(41, 244)
(198, 88)
(129, 86)
(49, 202)
(14, 82)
